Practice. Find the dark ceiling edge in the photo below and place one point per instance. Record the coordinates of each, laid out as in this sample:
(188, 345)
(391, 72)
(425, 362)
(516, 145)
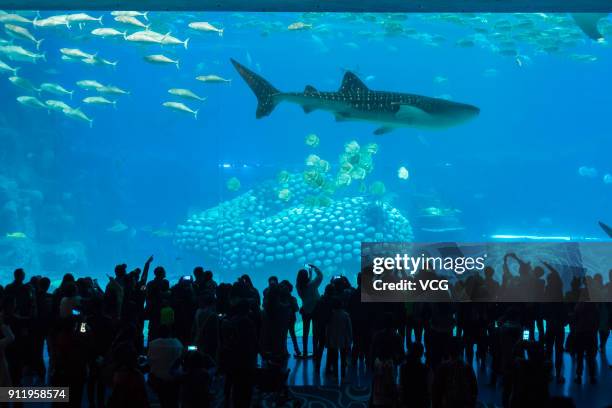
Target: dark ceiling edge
(318, 5)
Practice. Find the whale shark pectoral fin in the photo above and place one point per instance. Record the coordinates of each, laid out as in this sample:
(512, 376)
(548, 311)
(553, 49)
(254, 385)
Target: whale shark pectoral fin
(607, 229)
(307, 108)
(587, 22)
(383, 130)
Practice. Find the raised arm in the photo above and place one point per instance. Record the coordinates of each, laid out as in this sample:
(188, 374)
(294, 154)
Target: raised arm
(549, 267)
(319, 278)
(145, 272)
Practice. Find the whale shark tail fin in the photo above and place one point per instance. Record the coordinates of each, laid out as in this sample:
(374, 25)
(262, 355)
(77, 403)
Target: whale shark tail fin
(262, 89)
(607, 229)
(587, 22)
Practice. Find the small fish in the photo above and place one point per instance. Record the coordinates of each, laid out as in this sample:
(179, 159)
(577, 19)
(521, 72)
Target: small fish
(55, 89)
(108, 32)
(18, 53)
(205, 26)
(583, 57)
(31, 102)
(82, 18)
(16, 235)
(299, 26)
(161, 59)
(5, 67)
(89, 84)
(99, 100)
(113, 90)
(144, 15)
(75, 53)
(95, 60)
(117, 227)
(440, 79)
(162, 233)
(52, 21)
(23, 84)
(130, 20)
(185, 93)
(147, 37)
(170, 40)
(55, 105)
(215, 79)
(19, 32)
(77, 114)
(180, 107)
(70, 59)
(14, 18)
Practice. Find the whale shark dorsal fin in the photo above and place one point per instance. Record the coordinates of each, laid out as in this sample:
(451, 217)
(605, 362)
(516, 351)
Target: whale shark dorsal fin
(587, 22)
(351, 84)
(309, 90)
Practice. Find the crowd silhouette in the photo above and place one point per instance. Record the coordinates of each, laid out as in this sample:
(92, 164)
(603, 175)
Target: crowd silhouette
(210, 343)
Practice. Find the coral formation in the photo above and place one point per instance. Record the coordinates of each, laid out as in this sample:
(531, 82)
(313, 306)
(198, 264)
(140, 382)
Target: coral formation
(259, 228)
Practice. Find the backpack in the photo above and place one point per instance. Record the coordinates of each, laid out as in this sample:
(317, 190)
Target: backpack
(166, 316)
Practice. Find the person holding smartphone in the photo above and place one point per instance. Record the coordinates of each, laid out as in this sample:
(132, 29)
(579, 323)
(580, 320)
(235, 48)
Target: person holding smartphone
(308, 292)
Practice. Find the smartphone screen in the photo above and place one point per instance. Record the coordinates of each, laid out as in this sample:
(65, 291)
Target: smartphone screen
(192, 348)
(525, 335)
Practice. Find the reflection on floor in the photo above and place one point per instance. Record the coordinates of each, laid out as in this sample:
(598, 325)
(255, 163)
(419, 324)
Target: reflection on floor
(358, 381)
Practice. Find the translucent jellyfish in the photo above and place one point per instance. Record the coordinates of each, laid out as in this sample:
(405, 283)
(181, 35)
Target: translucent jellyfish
(371, 148)
(344, 179)
(284, 194)
(312, 160)
(346, 167)
(402, 173)
(365, 159)
(351, 147)
(313, 178)
(233, 184)
(607, 178)
(283, 176)
(324, 166)
(312, 140)
(358, 173)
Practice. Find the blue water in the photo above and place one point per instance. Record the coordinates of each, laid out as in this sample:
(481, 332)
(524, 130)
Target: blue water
(512, 170)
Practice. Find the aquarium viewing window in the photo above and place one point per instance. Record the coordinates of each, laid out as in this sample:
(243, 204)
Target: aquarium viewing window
(214, 134)
(186, 184)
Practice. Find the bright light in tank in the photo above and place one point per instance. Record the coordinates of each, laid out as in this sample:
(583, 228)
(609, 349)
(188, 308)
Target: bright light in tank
(531, 237)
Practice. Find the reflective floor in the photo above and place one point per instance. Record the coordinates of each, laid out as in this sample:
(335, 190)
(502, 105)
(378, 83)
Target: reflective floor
(585, 395)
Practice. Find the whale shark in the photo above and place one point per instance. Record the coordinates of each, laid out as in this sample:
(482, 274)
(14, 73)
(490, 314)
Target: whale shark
(607, 229)
(355, 101)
